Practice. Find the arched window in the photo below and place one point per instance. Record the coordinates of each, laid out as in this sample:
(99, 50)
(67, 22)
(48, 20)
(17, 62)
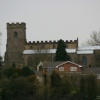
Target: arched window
(15, 34)
(84, 60)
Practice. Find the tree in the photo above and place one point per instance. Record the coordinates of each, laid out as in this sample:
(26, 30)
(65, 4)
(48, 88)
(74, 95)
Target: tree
(94, 39)
(61, 54)
(18, 89)
(82, 85)
(0, 61)
(55, 85)
(55, 79)
(41, 54)
(91, 87)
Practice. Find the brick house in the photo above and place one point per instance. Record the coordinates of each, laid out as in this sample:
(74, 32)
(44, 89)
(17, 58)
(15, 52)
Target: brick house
(62, 67)
(68, 67)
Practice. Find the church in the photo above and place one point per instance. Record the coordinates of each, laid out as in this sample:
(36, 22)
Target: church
(22, 53)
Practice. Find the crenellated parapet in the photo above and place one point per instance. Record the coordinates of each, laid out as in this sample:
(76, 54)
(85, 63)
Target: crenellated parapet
(16, 25)
(71, 41)
(52, 42)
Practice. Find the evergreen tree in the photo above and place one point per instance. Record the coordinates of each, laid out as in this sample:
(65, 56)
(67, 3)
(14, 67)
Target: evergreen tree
(61, 54)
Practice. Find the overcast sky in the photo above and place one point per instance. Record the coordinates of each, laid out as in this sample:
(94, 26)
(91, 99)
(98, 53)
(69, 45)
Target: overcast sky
(51, 19)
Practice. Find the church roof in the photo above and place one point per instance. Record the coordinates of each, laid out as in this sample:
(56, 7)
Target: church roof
(46, 51)
(79, 50)
(85, 52)
(89, 48)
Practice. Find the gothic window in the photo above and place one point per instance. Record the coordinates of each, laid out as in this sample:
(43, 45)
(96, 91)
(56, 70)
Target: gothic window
(15, 34)
(84, 60)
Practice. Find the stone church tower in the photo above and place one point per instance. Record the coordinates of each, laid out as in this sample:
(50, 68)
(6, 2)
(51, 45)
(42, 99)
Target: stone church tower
(16, 38)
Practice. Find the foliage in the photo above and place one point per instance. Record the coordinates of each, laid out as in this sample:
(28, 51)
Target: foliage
(61, 54)
(0, 62)
(12, 72)
(8, 72)
(91, 87)
(65, 87)
(55, 84)
(45, 79)
(22, 84)
(18, 89)
(82, 87)
(55, 79)
(26, 71)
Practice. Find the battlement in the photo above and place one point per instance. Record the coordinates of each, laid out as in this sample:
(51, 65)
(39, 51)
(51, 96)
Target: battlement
(16, 25)
(71, 41)
(51, 42)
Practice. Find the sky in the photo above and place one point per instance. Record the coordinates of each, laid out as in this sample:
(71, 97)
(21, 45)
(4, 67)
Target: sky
(51, 19)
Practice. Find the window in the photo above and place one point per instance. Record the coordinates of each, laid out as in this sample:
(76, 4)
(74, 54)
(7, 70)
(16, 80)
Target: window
(73, 68)
(61, 68)
(15, 34)
(98, 76)
(84, 60)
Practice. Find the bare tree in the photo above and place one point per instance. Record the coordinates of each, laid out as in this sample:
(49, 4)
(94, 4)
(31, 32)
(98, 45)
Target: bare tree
(94, 39)
(41, 54)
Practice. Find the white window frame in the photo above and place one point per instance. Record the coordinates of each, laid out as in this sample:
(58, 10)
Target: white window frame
(98, 76)
(73, 69)
(61, 68)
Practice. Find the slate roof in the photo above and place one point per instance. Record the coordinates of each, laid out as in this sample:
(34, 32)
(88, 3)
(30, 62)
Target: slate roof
(95, 70)
(52, 64)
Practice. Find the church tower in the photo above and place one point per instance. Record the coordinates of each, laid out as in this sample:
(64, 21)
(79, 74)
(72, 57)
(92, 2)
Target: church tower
(16, 38)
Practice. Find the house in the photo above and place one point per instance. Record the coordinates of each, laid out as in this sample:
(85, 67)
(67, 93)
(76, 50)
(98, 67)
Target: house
(62, 67)
(68, 67)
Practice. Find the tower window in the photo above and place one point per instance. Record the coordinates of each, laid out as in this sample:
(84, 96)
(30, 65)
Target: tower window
(15, 34)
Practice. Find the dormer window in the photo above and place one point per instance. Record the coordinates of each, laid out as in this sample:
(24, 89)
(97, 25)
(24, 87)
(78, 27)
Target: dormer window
(15, 34)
